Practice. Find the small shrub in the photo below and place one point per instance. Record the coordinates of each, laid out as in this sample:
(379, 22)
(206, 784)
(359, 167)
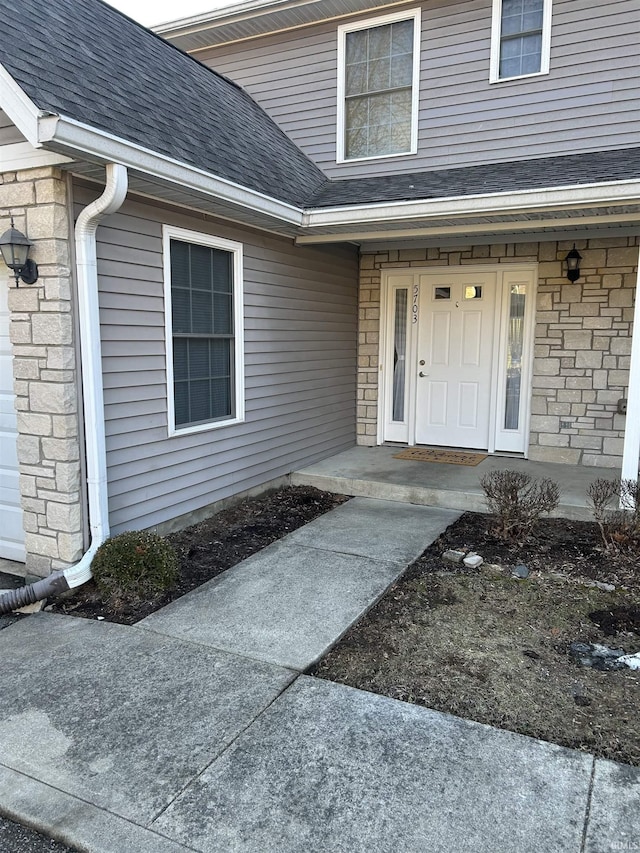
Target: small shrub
(517, 501)
(134, 566)
(620, 523)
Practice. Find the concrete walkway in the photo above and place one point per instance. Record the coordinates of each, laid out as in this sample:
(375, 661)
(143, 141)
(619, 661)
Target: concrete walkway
(195, 730)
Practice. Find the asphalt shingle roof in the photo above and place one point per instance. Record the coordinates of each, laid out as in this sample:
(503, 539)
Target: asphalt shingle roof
(87, 61)
(568, 170)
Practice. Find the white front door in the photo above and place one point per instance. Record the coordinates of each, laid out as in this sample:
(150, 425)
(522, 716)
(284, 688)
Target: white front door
(11, 529)
(455, 355)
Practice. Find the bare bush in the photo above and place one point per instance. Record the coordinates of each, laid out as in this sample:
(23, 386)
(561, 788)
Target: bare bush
(615, 505)
(517, 501)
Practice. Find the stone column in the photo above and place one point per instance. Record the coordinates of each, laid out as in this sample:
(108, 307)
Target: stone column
(45, 380)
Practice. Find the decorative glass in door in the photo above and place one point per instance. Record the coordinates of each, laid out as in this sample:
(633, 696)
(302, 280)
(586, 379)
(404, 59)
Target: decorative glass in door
(515, 341)
(399, 354)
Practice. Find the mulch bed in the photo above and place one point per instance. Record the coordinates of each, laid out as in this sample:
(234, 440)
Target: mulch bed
(210, 547)
(483, 645)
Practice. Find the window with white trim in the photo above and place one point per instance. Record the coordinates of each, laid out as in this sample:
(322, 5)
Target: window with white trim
(203, 305)
(521, 38)
(378, 73)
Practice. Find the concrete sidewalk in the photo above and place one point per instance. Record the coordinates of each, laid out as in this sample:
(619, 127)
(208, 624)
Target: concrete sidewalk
(195, 730)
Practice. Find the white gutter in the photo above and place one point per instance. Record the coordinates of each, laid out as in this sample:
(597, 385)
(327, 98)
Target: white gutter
(433, 230)
(485, 204)
(111, 200)
(87, 140)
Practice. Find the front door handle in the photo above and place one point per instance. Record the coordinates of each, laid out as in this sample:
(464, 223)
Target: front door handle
(421, 374)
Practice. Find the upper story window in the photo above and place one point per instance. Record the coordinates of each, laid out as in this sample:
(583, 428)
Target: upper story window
(203, 319)
(378, 73)
(521, 38)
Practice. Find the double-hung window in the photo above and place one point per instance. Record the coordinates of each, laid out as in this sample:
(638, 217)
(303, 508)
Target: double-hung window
(378, 73)
(521, 38)
(203, 317)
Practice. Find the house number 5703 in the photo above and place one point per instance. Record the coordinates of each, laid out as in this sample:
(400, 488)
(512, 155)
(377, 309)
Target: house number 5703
(414, 304)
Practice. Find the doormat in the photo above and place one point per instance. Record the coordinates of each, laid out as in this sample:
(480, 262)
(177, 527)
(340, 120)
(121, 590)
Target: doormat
(448, 457)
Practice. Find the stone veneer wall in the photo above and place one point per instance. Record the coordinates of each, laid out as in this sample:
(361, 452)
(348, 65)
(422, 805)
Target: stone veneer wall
(582, 341)
(42, 334)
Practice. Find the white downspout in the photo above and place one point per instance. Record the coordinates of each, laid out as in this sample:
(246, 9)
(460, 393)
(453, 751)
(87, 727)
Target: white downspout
(112, 198)
(631, 445)
(114, 194)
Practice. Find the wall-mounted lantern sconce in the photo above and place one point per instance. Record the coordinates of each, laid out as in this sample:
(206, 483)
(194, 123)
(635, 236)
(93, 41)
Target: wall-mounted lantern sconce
(15, 250)
(573, 264)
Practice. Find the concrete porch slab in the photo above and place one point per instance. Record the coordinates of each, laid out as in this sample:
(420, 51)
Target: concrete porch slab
(328, 769)
(120, 718)
(373, 472)
(286, 605)
(381, 530)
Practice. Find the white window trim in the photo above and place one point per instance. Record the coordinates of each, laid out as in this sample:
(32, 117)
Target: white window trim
(414, 14)
(545, 55)
(169, 233)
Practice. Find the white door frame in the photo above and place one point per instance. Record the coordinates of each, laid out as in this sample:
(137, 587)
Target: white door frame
(392, 279)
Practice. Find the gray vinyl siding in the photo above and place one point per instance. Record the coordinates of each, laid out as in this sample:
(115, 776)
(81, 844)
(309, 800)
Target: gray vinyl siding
(588, 102)
(9, 133)
(300, 367)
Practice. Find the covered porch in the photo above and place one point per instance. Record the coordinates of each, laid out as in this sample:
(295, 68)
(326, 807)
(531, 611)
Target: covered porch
(475, 331)
(374, 472)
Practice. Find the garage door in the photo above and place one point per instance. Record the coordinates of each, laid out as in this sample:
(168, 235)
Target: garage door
(11, 530)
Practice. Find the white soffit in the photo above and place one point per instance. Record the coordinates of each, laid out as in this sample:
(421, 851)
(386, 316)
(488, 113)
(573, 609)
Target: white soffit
(257, 18)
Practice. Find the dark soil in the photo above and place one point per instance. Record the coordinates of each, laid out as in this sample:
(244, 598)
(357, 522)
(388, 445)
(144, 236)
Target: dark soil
(486, 646)
(209, 548)
(15, 838)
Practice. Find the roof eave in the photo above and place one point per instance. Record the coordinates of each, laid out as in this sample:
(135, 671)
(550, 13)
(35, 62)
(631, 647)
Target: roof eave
(257, 18)
(74, 136)
(571, 196)
(315, 224)
(577, 206)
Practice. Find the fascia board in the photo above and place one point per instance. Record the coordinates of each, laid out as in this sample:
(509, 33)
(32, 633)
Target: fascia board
(523, 201)
(19, 107)
(83, 138)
